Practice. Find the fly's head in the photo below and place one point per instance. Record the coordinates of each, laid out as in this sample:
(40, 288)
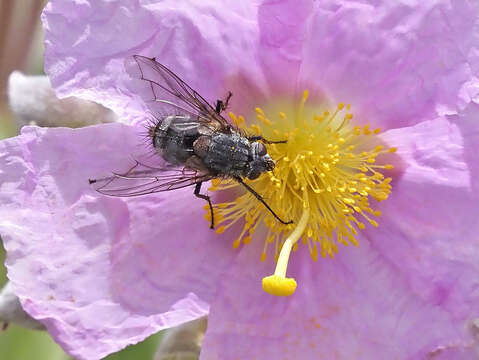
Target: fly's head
(260, 160)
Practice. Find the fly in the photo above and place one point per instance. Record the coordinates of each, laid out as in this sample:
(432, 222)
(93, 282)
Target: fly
(196, 142)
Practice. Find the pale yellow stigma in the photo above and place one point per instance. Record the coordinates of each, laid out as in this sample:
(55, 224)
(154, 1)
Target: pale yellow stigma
(325, 176)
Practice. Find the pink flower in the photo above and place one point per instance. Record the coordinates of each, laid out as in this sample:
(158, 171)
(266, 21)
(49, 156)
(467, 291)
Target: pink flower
(101, 273)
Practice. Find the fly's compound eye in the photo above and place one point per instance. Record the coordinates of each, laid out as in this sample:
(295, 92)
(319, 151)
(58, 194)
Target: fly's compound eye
(261, 149)
(254, 175)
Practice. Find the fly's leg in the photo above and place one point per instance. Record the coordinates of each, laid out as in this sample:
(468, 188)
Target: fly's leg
(262, 139)
(207, 198)
(260, 198)
(222, 105)
(227, 101)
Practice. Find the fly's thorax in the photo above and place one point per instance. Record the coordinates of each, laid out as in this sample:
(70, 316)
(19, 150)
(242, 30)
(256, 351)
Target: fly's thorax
(227, 154)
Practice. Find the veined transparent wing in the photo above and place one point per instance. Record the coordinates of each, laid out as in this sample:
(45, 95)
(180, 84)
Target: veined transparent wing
(142, 179)
(170, 92)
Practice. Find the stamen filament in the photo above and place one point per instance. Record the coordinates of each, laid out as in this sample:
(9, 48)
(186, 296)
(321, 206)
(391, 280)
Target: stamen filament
(278, 284)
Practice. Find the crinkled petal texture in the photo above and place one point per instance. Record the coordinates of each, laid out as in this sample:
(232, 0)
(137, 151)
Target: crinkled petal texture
(99, 272)
(102, 273)
(87, 44)
(394, 61)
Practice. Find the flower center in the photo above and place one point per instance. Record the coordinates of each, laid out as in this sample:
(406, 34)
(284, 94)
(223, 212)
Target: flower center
(324, 178)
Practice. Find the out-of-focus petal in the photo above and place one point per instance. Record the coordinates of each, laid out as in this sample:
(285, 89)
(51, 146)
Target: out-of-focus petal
(203, 42)
(11, 310)
(398, 63)
(101, 273)
(182, 342)
(33, 101)
(282, 26)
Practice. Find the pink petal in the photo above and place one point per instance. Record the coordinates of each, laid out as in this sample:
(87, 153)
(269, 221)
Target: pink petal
(100, 272)
(356, 306)
(396, 63)
(282, 26)
(257, 54)
(430, 221)
(87, 43)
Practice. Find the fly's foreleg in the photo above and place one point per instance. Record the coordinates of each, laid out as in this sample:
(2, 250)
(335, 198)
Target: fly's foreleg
(262, 139)
(260, 198)
(207, 198)
(222, 105)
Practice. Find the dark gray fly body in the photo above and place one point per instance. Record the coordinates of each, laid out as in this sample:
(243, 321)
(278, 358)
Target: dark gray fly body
(197, 143)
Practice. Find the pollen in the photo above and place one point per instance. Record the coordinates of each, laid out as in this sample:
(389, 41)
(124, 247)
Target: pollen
(327, 179)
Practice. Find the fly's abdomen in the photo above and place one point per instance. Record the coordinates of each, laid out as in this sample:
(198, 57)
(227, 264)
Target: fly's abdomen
(174, 137)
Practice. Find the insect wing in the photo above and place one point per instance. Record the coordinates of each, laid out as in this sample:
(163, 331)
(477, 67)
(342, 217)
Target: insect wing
(169, 91)
(142, 179)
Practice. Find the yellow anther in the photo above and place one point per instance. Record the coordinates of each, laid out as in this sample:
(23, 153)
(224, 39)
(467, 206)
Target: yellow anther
(340, 106)
(232, 116)
(256, 129)
(236, 243)
(220, 229)
(314, 253)
(214, 182)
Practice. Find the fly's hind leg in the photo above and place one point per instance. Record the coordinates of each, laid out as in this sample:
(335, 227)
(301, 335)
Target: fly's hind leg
(222, 105)
(207, 198)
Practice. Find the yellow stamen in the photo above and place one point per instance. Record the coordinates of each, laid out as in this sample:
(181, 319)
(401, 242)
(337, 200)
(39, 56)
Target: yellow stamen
(326, 178)
(278, 284)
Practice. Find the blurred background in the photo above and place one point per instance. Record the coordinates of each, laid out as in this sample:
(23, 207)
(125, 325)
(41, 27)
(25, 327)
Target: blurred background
(21, 48)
